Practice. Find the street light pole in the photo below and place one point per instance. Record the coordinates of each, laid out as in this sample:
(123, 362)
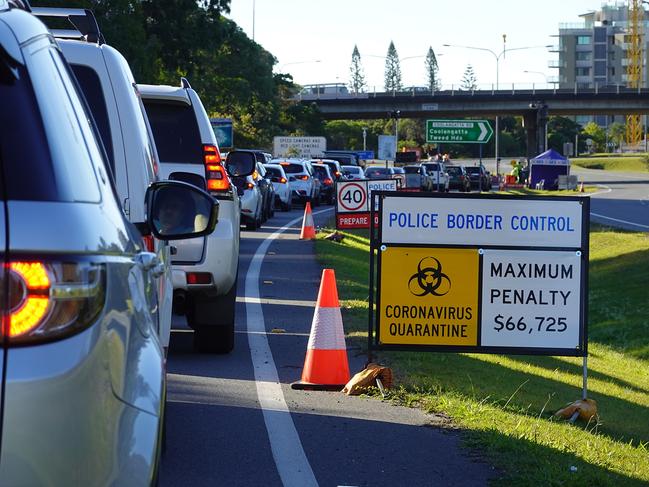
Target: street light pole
(364, 139)
(497, 57)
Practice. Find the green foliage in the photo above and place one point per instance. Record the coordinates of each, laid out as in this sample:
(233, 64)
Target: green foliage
(597, 135)
(469, 80)
(617, 133)
(392, 70)
(560, 131)
(357, 77)
(432, 71)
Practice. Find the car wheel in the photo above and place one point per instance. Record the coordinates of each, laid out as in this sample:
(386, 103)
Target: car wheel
(286, 206)
(251, 225)
(212, 319)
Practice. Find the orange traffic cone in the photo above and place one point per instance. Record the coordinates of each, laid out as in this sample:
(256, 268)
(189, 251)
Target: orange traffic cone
(325, 365)
(308, 230)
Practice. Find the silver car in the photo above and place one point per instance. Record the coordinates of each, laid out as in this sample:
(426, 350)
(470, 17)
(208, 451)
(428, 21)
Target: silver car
(81, 367)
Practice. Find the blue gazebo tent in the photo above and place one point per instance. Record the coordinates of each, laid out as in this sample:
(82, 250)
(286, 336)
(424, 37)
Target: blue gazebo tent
(548, 167)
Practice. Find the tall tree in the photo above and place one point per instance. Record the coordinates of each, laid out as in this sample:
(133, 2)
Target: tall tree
(469, 81)
(357, 77)
(392, 70)
(432, 70)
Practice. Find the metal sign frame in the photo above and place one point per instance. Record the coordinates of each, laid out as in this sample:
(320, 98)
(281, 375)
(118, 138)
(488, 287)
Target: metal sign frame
(377, 246)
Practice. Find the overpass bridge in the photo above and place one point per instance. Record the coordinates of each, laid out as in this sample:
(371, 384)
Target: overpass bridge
(533, 105)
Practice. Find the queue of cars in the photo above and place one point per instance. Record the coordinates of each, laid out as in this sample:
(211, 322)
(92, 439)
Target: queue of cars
(97, 209)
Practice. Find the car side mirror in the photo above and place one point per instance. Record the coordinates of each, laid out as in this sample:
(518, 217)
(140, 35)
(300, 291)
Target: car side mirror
(240, 163)
(178, 210)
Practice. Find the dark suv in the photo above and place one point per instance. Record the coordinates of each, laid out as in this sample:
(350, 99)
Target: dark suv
(458, 178)
(479, 177)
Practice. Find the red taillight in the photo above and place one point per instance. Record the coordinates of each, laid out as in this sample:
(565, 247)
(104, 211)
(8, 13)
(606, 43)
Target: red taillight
(304, 177)
(282, 180)
(215, 175)
(31, 285)
(51, 300)
(149, 243)
(338, 174)
(250, 185)
(328, 181)
(211, 154)
(199, 278)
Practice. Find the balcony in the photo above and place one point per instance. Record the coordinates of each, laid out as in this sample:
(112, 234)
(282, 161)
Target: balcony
(556, 63)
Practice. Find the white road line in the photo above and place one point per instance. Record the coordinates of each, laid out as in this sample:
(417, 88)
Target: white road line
(291, 461)
(619, 221)
(605, 191)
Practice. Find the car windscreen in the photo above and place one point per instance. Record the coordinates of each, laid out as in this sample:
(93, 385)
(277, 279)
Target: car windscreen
(432, 167)
(454, 170)
(175, 131)
(472, 169)
(293, 168)
(411, 170)
(91, 86)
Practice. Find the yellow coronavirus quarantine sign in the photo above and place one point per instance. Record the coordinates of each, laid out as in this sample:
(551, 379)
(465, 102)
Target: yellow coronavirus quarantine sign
(428, 296)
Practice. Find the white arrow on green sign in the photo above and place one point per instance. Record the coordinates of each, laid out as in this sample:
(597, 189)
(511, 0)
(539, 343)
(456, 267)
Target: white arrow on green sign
(458, 131)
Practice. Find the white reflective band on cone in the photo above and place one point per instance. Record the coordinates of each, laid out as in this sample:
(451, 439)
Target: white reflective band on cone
(327, 330)
(308, 221)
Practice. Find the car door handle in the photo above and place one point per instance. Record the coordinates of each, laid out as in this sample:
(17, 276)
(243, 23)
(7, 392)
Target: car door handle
(146, 260)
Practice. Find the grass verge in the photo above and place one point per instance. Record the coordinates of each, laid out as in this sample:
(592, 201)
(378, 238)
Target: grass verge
(506, 403)
(632, 163)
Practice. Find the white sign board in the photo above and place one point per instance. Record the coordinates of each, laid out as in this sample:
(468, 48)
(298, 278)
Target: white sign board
(387, 147)
(530, 299)
(481, 221)
(299, 146)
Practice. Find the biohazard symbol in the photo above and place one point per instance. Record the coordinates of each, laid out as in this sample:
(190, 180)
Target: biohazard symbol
(429, 279)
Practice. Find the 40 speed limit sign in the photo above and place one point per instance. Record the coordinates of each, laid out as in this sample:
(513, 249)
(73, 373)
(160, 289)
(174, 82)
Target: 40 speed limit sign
(353, 201)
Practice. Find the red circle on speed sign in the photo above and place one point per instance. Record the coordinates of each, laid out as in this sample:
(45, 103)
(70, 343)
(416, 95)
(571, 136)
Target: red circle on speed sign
(352, 197)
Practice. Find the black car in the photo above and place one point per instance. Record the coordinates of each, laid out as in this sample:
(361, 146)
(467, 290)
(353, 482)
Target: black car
(479, 177)
(458, 178)
(327, 187)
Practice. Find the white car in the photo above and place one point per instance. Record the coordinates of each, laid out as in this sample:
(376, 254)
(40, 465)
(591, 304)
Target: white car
(280, 181)
(108, 85)
(353, 172)
(436, 171)
(303, 185)
(251, 201)
(204, 269)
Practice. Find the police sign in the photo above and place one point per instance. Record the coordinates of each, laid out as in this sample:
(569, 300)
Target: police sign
(492, 274)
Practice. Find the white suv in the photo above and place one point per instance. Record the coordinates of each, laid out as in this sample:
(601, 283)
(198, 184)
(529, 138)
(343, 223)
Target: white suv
(109, 88)
(436, 171)
(303, 185)
(204, 269)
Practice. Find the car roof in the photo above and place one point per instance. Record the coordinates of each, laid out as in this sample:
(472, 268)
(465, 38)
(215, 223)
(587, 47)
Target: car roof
(24, 27)
(165, 92)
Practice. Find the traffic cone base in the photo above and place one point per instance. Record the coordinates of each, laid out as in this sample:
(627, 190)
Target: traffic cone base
(308, 229)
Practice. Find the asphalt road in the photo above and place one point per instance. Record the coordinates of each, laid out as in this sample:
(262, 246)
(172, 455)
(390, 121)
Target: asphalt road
(234, 420)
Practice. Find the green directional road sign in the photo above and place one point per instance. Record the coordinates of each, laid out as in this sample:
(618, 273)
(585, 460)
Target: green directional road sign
(458, 131)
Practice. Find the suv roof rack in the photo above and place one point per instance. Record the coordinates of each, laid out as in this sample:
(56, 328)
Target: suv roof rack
(83, 20)
(21, 4)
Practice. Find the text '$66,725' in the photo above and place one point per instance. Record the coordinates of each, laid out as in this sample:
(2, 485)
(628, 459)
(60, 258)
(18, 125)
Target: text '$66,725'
(543, 324)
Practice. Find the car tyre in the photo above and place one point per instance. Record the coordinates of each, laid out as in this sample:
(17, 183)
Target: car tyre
(286, 206)
(252, 225)
(212, 319)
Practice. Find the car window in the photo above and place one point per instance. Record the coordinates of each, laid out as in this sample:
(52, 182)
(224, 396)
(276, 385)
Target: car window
(273, 171)
(72, 169)
(175, 131)
(432, 167)
(293, 168)
(473, 169)
(92, 90)
(378, 171)
(454, 170)
(411, 170)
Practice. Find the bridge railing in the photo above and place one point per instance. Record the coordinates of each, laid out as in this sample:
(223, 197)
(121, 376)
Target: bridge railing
(457, 90)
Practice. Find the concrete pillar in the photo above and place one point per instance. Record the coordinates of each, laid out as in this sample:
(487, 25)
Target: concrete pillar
(532, 130)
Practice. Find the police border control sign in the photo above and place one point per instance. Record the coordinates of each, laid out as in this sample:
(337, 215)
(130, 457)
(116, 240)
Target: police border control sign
(479, 273)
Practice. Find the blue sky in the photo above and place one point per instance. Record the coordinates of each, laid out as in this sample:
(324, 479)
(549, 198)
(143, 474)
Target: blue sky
(313, 40)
